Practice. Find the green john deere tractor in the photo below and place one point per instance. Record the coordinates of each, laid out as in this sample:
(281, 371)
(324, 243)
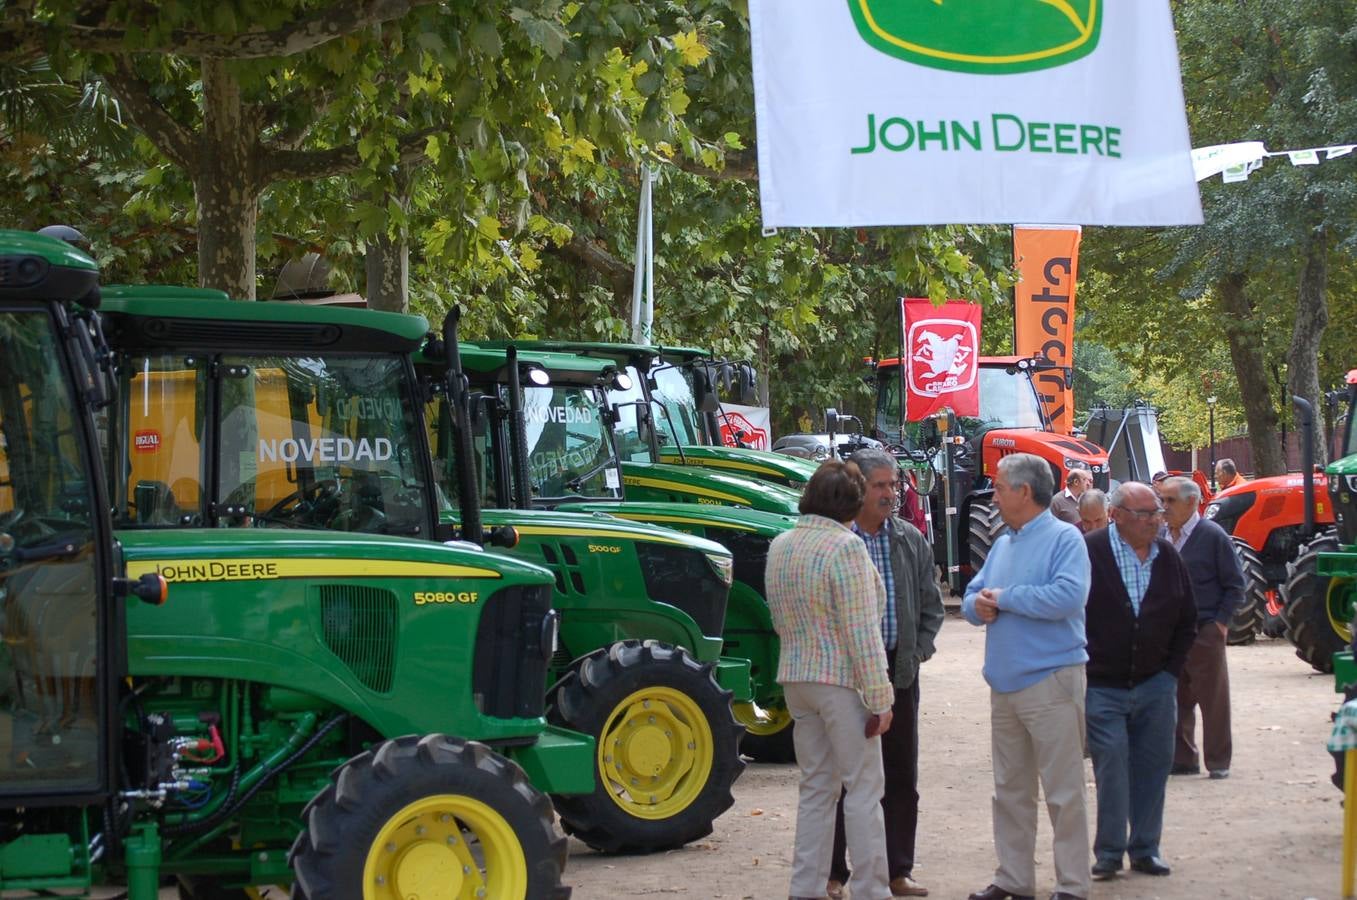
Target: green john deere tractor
(1321, 587)
(547, 437)
(358, 715)
(672, 414)
(276, 416)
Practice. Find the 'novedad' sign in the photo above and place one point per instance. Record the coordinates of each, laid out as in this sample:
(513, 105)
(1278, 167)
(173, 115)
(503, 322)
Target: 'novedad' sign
(897, 112)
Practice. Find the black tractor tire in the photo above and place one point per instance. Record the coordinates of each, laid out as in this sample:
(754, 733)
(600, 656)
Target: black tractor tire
(767, 737)
(1307, 609)
(1248, 618)
(431, 802)
(207, 889)
(983, 530)
(668, 747)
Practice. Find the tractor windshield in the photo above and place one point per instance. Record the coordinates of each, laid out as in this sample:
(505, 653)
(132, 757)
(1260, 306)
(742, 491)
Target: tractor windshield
(302, 442)
(48, 602)
(675, 393)
(321, 442)
(1006, 401)
(568, 446)
(631, 434)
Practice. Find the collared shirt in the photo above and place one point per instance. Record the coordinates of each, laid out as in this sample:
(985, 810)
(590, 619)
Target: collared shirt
(879, 549)
(1134, 573)
(1184, 533)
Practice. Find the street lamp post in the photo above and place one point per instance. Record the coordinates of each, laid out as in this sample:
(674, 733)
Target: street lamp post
(1211, 425)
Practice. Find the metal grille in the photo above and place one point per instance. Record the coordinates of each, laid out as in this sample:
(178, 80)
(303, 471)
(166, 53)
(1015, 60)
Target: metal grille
(359, 627)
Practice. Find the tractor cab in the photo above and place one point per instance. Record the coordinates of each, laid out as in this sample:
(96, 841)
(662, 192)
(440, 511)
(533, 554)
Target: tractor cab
(671, 411)
(58, 665)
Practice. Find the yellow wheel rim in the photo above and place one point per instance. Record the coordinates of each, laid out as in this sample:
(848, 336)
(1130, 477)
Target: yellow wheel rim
(762, 720)
(445, 847)
(1339, 604)
(655, 753)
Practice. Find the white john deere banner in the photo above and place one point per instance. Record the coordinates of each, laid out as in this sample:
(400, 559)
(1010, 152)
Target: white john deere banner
(902, 112)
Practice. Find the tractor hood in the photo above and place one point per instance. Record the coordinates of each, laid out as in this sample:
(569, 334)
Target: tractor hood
(1342, 484)
(682, 515)
(223, 554)
(1277, 499)
(761, 464)
(1059, 449)
(691, 484)
(585, 520)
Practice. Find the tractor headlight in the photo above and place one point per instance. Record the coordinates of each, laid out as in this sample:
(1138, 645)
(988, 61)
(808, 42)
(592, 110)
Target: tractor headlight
(551, 633)
(723, 566)
(1352, 483)
(1212, 510)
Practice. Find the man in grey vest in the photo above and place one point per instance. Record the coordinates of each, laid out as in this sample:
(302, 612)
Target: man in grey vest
(914, 613)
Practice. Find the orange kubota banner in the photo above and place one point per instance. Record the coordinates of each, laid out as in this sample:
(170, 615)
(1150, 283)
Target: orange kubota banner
(1047, 259)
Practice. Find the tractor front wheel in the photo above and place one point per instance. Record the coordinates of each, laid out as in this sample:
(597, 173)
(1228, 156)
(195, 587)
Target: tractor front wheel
(429, 817)
(1318, 608)
(1248, 618)
(768, 732)
(668, 747)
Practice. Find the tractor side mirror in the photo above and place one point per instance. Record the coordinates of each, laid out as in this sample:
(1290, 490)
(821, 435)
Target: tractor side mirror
(831, 419)
(704, 392)
(747, 384)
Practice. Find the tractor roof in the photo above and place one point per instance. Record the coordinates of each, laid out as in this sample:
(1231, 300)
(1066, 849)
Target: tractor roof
(192, 318)
(615, 351)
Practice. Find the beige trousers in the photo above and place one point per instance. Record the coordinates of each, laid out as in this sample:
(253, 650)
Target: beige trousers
(1038, 732)
(834, 755)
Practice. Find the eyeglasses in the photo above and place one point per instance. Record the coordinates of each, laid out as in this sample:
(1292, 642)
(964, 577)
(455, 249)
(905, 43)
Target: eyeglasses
(1144, 514)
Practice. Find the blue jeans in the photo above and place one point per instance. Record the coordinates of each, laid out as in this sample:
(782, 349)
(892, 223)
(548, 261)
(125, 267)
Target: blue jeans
(1130, 737)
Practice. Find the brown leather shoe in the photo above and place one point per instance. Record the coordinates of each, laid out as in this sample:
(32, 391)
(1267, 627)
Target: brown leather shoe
(994, 892)
(904, 886)
(834, 889)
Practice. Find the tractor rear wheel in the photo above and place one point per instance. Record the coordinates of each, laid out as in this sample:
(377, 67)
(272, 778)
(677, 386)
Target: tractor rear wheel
(768, 732)
(431, 816)
(1318, 615)
(668, 747)
(984, 528)
(1248, 618)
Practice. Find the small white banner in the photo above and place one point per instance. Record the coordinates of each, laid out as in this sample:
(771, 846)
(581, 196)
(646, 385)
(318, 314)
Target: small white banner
(904, 112)
(1208, 161)
(745, 426)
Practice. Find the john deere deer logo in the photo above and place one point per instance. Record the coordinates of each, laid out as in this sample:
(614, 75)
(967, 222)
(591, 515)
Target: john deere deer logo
(995, 37)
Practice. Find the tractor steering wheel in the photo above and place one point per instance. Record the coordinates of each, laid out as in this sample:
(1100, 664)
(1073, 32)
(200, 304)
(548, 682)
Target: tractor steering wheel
(312, 505)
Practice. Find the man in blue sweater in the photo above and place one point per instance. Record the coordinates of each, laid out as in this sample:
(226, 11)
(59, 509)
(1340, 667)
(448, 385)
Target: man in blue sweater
(1218, 587)
(1030, 596)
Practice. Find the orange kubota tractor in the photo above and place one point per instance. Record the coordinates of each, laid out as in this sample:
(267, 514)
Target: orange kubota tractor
(954, 467)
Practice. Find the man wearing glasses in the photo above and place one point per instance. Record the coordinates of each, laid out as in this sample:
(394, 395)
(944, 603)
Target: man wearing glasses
(1141, 622)
(1218, 586)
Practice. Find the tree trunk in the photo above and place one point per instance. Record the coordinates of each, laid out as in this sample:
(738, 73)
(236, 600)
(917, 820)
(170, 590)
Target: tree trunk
(1312, 317)
(1246, 353)
(388, 273)
(226, 184)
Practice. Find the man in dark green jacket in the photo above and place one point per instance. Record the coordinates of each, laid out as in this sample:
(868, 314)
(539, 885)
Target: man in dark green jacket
(914, 614)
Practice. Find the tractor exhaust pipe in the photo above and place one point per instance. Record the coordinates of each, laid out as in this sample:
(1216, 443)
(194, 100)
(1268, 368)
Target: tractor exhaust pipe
(1306, 415)
(459, 399)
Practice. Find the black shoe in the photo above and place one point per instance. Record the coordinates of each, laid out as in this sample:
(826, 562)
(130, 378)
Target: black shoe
(1150, 865)
(1104, 869)
(1184, 770)
(1062, 895)
(1218, 774)
(994, 892)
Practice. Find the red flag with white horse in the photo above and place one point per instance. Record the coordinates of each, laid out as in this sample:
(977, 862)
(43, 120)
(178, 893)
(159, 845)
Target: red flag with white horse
(942, 353)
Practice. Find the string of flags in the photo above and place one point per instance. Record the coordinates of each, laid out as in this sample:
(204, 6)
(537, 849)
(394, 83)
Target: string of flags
(1234, 162)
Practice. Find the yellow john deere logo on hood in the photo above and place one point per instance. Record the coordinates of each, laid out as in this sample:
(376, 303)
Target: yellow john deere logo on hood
(981, 36)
